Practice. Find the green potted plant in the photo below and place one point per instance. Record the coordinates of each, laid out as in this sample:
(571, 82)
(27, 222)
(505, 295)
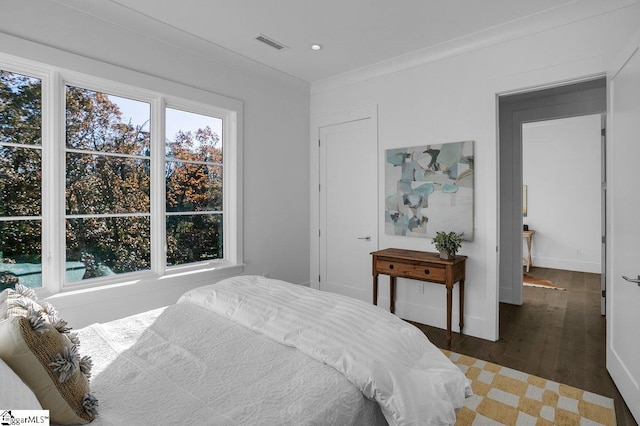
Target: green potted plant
(447, 243)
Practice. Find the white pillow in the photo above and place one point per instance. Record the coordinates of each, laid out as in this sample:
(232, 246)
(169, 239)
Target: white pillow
(14, 394)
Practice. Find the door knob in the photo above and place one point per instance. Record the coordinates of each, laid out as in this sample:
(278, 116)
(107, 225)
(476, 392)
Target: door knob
(365, 238)
(631, 280)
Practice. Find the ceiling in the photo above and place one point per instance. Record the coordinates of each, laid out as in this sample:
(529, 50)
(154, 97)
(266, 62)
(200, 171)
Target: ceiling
(354, 33)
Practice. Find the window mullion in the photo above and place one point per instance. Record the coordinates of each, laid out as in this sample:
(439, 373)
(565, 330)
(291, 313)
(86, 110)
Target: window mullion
(232, 183)
(158, 187)
(106, 154)
(53, 232)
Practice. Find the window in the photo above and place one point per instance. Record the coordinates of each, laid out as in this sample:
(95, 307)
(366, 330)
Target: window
(193, 174)
(108, 171)
(20, 180)
(101, 180)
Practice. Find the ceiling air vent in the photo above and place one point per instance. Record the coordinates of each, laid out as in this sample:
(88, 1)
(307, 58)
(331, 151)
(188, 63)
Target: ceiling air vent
(271, 42)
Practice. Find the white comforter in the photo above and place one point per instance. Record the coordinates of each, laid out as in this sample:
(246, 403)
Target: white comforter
(186, 365)
(390, 361)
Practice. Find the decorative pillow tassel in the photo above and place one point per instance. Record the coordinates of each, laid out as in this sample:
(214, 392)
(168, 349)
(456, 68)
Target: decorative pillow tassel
(86, 364)
(23, 303)
(25, 291)
(66, 363)
(90, 405)
(38, 324)
(61, 325)
(48, 309)
(73, 338)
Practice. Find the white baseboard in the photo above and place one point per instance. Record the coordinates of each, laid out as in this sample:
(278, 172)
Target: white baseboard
(437, 317)
(567, 264)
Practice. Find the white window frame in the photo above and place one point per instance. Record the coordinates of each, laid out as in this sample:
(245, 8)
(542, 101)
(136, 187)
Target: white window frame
(54, 82)
(45, 77)
(125, 91)
(207, 110)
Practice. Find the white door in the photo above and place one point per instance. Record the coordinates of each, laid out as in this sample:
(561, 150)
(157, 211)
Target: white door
(623, 297)
(348, 207)
(603, 215)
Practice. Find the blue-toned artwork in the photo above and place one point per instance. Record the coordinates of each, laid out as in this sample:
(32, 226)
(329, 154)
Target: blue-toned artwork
(429, 189)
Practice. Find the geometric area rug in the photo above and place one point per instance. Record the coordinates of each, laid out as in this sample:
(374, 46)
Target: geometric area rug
(503, 396)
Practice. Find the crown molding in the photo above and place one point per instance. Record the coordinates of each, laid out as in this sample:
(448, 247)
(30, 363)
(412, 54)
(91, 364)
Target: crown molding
(547, 20)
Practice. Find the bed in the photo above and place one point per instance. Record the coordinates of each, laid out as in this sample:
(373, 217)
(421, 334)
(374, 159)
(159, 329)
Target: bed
(256, 351)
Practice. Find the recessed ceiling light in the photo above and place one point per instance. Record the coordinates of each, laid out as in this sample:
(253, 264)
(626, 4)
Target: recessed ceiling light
(316, 47)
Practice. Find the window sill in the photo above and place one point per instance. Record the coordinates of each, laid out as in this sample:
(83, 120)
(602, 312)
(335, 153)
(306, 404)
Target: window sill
(200, 274)
(100, 302)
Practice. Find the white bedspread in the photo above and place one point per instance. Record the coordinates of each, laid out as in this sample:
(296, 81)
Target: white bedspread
(389, 360)
(186, 365)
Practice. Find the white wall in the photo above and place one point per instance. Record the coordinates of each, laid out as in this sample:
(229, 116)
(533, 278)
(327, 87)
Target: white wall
(276, 128)
(452, 97)
(561, 168)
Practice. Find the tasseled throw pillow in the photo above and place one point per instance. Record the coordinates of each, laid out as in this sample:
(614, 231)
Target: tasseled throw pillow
(39, 347)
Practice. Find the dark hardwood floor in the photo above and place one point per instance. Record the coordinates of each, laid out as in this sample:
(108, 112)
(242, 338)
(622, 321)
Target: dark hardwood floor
(558, 335)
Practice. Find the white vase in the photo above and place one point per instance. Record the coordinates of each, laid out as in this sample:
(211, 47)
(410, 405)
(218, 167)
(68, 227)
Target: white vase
(446, 255)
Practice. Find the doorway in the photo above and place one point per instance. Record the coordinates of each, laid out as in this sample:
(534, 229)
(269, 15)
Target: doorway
(569, 100)
(562, 174)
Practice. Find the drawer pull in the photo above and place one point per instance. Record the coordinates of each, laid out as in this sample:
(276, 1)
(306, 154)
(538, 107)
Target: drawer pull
(426, 272)
(390, 266)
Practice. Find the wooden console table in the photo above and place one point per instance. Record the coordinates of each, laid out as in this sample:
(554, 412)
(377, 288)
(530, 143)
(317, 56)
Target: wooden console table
(422, 266)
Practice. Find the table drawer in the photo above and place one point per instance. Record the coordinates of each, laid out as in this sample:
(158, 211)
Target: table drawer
(409, 270)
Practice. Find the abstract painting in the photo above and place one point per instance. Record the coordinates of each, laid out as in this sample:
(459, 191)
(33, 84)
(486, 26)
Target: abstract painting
(429, 189)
